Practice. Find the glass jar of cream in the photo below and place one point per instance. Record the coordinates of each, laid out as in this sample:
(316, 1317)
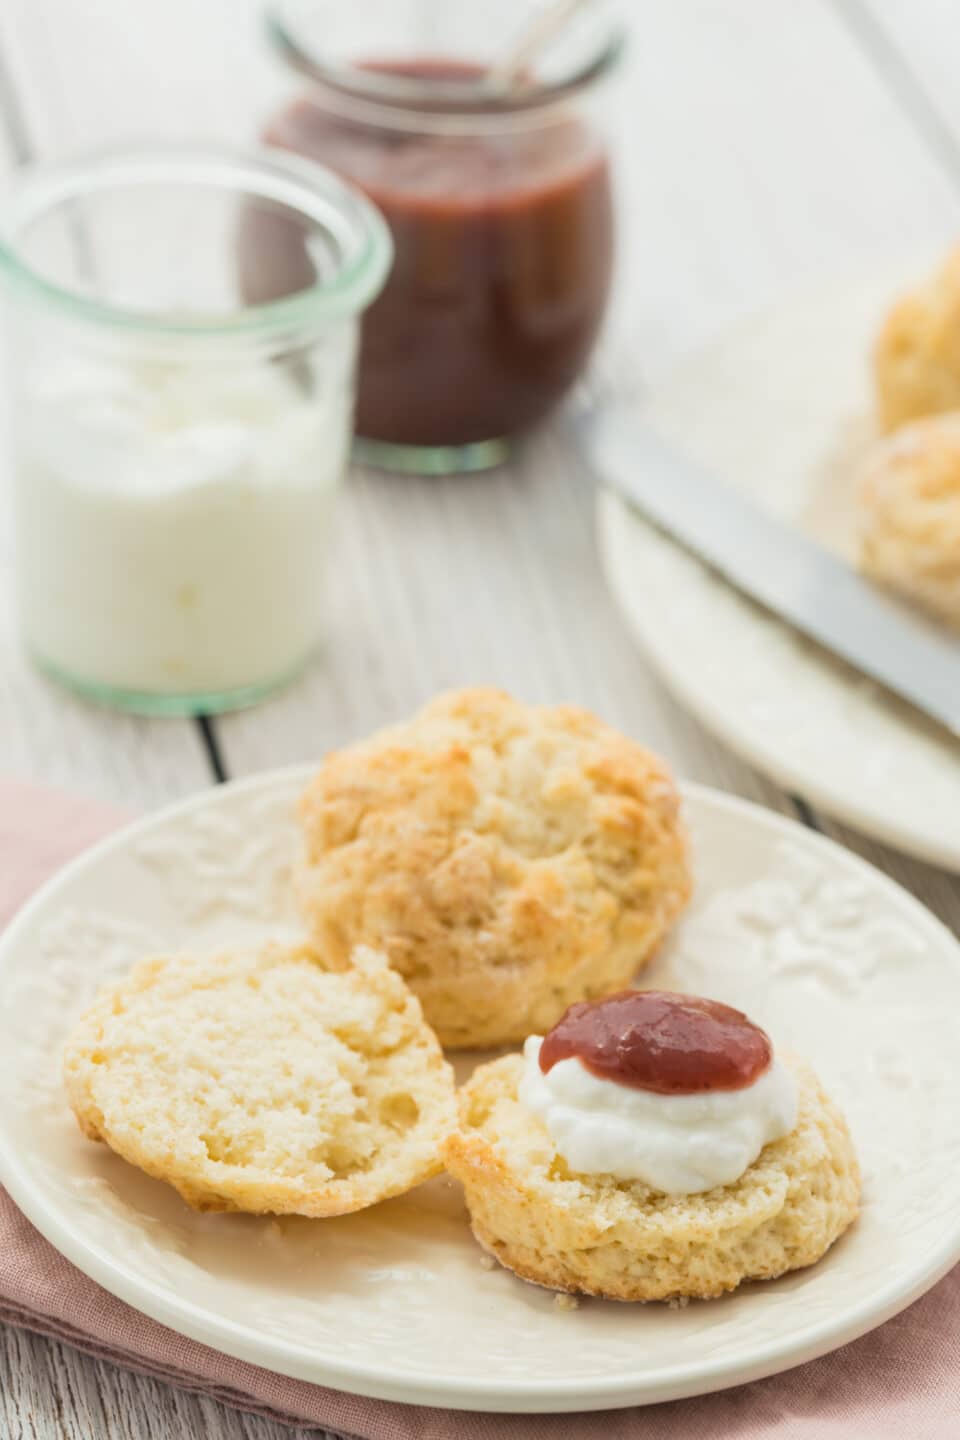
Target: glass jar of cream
(177, 448)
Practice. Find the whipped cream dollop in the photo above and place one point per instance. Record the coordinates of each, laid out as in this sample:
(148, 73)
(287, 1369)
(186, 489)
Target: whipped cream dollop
(678, 1144)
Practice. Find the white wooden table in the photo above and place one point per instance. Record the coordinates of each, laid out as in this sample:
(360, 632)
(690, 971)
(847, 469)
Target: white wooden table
(760, 145)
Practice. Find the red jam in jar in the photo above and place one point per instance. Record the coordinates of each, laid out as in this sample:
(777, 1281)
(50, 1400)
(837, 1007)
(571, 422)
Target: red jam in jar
(661, 1041)
(503, 236)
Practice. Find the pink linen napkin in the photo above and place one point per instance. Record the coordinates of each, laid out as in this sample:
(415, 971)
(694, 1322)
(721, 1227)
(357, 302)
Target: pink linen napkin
(900, 1383)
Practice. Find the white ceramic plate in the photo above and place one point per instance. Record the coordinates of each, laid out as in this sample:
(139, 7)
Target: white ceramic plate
(782, 409)
(833, 957)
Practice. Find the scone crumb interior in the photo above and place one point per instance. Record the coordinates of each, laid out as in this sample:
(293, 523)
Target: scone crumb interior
(264, 1079)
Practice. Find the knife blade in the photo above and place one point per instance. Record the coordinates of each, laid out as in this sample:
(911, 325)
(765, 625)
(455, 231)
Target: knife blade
(773, 563)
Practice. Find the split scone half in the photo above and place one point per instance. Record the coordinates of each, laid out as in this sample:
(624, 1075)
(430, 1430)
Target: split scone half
(597, 1235)
(264, 1080)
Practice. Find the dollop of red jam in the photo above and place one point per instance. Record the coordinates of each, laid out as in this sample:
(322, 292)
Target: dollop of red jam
(660, 1041)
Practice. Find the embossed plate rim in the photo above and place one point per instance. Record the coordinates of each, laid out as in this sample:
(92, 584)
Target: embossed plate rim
(378, 1379)
(613, 514)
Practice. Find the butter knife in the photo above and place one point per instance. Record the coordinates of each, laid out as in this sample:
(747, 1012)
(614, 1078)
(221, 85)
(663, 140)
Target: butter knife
(773, 563)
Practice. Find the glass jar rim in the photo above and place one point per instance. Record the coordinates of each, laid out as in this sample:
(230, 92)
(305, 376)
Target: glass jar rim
(402, 99)
(364, 248)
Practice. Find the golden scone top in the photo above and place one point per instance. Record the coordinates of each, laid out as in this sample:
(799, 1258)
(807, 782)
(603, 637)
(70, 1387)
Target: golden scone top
(509, 859)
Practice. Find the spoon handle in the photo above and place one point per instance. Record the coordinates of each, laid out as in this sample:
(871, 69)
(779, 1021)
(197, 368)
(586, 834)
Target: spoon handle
(507, 73)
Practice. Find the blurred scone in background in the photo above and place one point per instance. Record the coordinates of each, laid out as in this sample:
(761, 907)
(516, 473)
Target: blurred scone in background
(910, 514)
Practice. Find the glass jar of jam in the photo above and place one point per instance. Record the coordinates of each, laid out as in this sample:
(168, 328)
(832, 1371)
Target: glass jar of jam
(498, 199)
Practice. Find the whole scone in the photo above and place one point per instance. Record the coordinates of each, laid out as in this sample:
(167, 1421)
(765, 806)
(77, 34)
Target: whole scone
(596, 1235)
(909, 497)
(264, 1080)
(917, 353)
(509, 859)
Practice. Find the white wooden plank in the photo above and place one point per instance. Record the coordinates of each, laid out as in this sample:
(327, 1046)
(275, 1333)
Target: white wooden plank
(56, 740)
(435, 584)
(50, 1392)
(110, 69)
(758, 150)
(915, 44)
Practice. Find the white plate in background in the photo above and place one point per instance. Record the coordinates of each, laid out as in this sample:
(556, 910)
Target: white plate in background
(835, 959)
(782, 410)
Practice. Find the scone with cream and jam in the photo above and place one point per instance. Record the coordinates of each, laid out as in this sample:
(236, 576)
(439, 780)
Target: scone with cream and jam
(264, 1079)
(909, 497)
(509, 859)
(652, 1146)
